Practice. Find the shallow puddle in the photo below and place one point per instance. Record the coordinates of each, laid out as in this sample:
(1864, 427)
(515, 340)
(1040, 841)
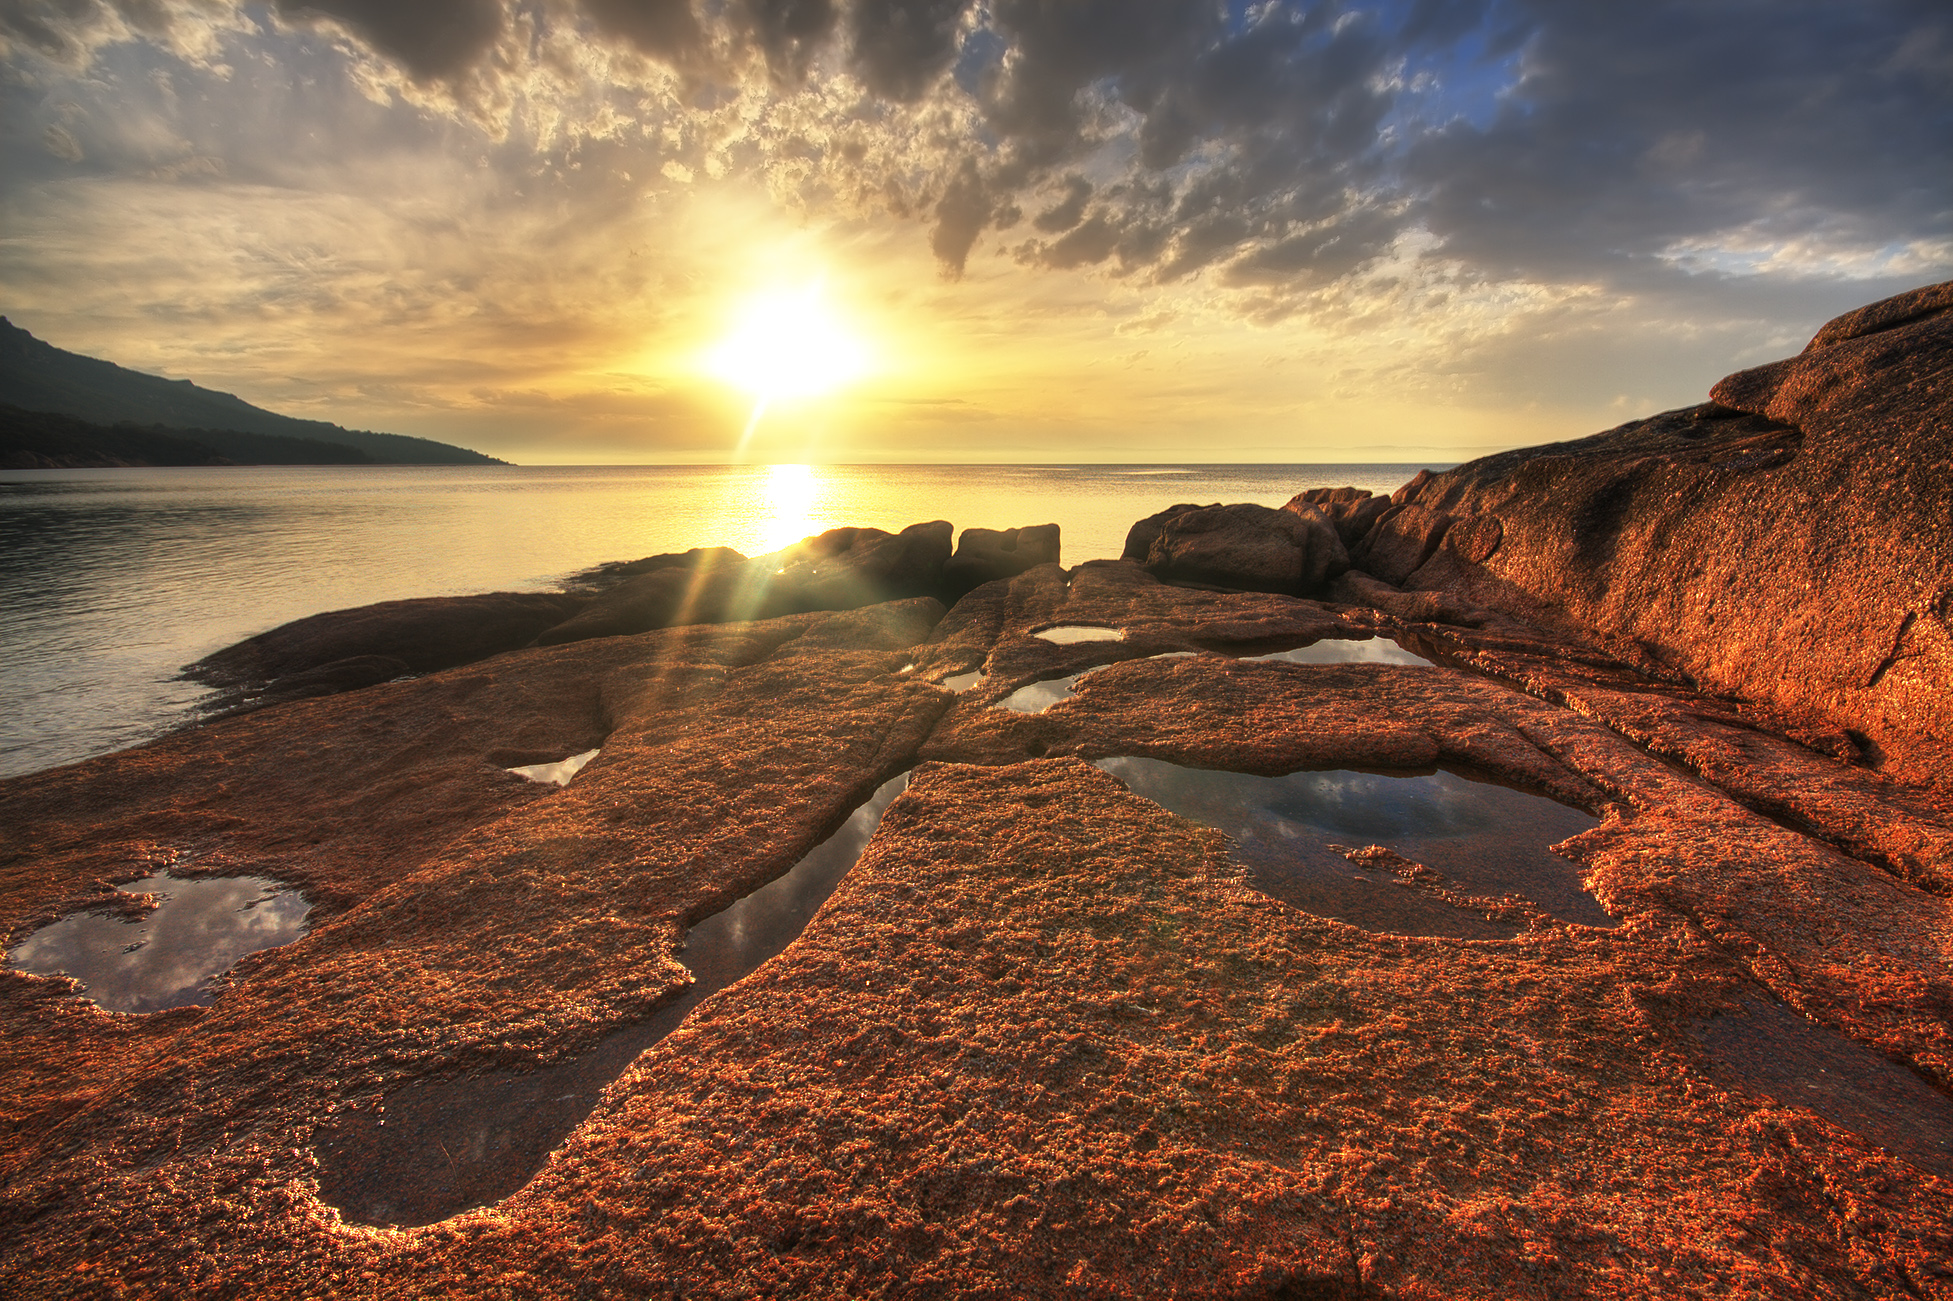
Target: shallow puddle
(1769, 1049)
(1347, 650)
(558, 773)
(444, 1146)
(1073, 633)
(1036, 697)
(199, 928)
(1489, 839)
(961, 682)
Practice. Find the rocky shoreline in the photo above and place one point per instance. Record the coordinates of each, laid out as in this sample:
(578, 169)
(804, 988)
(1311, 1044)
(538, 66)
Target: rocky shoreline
(1047, 1038)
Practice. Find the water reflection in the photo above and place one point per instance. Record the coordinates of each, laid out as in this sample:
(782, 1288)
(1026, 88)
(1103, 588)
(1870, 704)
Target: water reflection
(446, 1145)
(1347, 650)
(198, 930)
(788, 494)
(1489, 839)
(961, 682)
(1072, 634)
(1036, 697)
(115, 578)
(1769, 1049)
(558, 773)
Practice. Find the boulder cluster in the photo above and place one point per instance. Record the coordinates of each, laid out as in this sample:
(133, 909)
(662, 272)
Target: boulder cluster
(841, 569)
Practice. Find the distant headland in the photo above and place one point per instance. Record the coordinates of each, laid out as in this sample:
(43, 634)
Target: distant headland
(61, 410)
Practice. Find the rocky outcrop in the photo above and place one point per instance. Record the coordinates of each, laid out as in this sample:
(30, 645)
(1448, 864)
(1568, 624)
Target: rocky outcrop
(986, 555)
(1351, 510)
(1293, 550)
(418, 636)
(1790, 542)
(840, 569)
(1046, 1037)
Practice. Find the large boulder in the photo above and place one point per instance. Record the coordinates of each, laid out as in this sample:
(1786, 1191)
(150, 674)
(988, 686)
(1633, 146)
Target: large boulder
(607, 575)
(1351, 510)
(1790, 542)
(1144, 533)
(1258, 548)
(841, 569)
(422, 635)
(986, 555)
(1400, 541)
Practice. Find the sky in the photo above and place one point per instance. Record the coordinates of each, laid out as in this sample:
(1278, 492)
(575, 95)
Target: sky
(630, 231)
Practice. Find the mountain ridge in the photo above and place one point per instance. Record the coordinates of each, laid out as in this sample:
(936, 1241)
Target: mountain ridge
(36, 376)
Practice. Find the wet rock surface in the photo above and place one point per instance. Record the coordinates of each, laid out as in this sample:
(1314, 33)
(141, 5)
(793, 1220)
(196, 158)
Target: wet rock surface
(1046, 1037)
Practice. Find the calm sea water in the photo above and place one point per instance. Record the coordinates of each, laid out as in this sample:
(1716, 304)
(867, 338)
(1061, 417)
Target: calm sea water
(112, 580)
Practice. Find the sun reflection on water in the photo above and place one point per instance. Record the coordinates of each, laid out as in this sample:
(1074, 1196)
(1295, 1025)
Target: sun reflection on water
(788, 492)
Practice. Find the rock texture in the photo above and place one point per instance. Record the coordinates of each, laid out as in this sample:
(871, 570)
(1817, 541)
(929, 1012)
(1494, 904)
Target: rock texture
(1352, 510)
(1045, 1039)
(1786, 542)
(986, 555)
(1292, 550)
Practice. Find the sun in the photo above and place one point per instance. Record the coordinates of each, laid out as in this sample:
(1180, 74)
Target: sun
(789, 344)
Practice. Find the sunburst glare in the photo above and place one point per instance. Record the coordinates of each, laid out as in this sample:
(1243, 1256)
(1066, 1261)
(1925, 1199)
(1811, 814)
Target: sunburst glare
(787, 344)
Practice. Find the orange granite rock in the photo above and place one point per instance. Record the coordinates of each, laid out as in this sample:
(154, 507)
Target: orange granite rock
(1047, 1038)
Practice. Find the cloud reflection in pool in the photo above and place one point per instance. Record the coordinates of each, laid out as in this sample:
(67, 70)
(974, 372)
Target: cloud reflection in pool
(1489, 839)
(198, 930)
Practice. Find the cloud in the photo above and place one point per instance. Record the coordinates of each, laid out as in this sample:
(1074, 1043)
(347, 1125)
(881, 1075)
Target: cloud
(431, 39)
(1283, 145)
(1328, 168)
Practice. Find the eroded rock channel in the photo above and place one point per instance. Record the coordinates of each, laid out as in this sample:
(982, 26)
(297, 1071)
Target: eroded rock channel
(431, 1150)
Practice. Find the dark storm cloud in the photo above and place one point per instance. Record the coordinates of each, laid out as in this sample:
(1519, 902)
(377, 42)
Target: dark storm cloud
(1287, 145)
(431, 39)
(1632, 128)
(666, 29)
(1552, 139)
(1246, 124)
(900, 47)
(788, 32)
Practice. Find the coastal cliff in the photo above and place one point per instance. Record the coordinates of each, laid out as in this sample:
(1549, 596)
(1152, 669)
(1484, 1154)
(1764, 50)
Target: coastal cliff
(1539, 882)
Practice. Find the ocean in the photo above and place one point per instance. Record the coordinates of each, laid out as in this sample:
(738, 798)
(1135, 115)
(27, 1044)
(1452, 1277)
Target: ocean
(112, 580)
